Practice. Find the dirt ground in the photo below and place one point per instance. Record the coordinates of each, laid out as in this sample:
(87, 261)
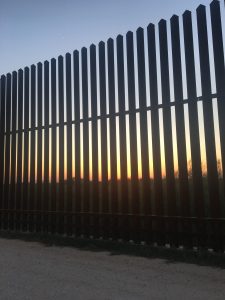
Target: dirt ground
(35, 270)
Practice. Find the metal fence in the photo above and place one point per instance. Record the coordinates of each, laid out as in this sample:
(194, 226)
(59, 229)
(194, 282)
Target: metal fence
(92, 144)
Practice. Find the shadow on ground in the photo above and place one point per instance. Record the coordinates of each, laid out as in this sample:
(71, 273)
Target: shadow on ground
(169, 255)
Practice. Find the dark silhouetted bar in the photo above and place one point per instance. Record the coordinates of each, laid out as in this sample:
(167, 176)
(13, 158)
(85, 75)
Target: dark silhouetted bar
(135, 200)
(208, 113)
(218, 49)
(26, 147)
(19, 151)
(69, 143)
(61, 204)
(7, 149)
(94, 126)
(86, 195)
(32, 200)
(76, 71)
(2, 142)
(112, 133)
(46, 203)
(13, 151)
(104, 157)
(123, 200)
(54, 147)
(193, 114)
(157, 169)
(39, 206)
(184, 196)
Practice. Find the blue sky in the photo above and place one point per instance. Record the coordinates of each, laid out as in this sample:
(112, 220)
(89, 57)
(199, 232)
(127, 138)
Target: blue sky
(35, 30)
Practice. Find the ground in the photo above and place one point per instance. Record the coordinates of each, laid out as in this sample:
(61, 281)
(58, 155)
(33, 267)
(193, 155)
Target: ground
(31, 269)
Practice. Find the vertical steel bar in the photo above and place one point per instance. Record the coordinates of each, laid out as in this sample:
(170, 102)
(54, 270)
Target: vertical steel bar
(157, 169)
(86, 204)
(26, 147)
(7, 150)
(112, 133)
(124, 208)
(19, 151)
(179, 111)
(54, 147)
(193, 114)
(144, 131)
(211, 160)
(218, 49)
(167, 128)
(13, 150)
(2, 142)
(46, 146)
(102, 79)
(39, 149)
(95, 168)
(61, 206)
(167, 125)
(69, 142)
(135, 201)
(180, 129)
(32, 204)
(76, 70)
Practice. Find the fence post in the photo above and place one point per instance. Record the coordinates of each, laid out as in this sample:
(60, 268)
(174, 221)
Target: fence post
(32, 199)
(193, 123)
(135, 201)
(13, 151)
(208, 113)
(95, 169)
(69, 144)
(167, 127)
(61, 204)
(146, 197)
(53, 149)
(86, 170)
(193, 114)
(218, 49)
(2, 141)
(112, 134)
(158, 227)
(123, 203)
(7, 151)
(26, 147)
(180, 128)
(76, 70)
(39, 149)
(46, 146)
(102, 87)
(19, 151)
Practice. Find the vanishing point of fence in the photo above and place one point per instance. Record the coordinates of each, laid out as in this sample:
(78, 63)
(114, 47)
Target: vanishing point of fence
(87, 148)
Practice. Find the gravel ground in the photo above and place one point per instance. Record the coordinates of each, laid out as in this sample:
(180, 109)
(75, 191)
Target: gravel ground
(33, 270)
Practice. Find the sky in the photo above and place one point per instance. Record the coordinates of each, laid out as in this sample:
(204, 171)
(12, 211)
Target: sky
(36, 30)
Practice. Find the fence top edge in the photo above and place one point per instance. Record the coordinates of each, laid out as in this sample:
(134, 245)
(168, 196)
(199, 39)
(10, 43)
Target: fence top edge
(187, 13)
(110, 40)
(162, 22)
(174, 17)
(140, 29)
(151, 26)
(215, 2)
(200, 8)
